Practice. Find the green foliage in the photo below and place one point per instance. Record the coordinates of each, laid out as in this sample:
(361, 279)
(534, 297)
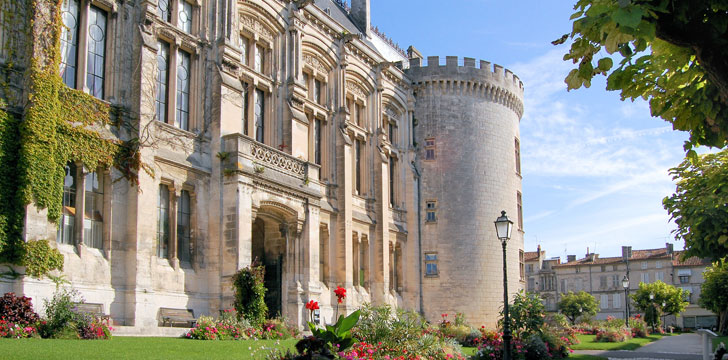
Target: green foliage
(60, 319)
(40, 259)
(713, 292)
(250, 294)
(662, 293)
(580, 304)
(59, 125)
(338, 336)
(526, 314)
(669, 52)
(698, 205)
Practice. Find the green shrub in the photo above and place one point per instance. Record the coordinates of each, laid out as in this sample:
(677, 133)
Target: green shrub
(527, 314)
(535, 348)
(613, 335)
(60, 320)
(250, 294)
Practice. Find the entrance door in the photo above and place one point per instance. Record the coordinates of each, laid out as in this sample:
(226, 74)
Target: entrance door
(273, 282)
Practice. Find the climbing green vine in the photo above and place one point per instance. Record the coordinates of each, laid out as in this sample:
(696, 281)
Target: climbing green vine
(59, 125)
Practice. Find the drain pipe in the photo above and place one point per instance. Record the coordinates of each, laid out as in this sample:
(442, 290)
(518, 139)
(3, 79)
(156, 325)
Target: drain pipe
(419, 237)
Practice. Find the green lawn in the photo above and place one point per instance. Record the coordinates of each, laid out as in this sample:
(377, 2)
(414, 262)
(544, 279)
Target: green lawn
(139, 348)
(718, 340)
(587, 343)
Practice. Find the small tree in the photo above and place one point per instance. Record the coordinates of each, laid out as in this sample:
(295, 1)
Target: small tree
(526, 314)
(250, 294)
(671, 296)
(713, 292)
(574, 305)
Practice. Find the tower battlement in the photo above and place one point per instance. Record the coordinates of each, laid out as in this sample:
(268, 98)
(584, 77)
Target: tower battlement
(463, 77)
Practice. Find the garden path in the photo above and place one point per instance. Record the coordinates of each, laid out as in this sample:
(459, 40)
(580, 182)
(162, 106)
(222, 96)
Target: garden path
(678, 347)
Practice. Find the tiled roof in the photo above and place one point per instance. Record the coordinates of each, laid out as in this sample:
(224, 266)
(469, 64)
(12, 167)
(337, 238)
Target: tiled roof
(647, 254)
(691, 261)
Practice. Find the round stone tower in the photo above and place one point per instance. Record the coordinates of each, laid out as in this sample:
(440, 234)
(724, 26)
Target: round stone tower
(469, 159)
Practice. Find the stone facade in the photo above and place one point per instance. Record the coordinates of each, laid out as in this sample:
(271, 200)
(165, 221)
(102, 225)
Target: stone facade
(602, 277)
(288, 134)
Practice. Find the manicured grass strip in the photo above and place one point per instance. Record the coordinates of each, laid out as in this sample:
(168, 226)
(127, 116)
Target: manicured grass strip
(586, 357)
(140, 348)
(587, 342)
(469, 351)
(718, 340)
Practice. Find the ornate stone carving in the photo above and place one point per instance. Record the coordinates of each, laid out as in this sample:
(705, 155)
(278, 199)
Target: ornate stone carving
(255, 26)
(356, 89)
(281, 162)
(315, 63)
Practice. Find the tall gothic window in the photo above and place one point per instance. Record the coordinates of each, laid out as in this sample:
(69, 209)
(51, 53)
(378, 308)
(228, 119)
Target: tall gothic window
(183, 226)
(245, 108)
(244, 44)
(93, 220)
(259, 115)
(317, 92)
(96, 52)
(182, 117)
(163, 222)
(323, 253)
(160, 101)
(364, 263)
(69, 42)
(66, 233)
(259, 58)
(519, 201)
(317, 141)
(392, 200)
(357, 166)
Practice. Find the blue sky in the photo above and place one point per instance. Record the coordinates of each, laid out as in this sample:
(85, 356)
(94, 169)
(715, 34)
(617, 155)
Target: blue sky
(595, 169)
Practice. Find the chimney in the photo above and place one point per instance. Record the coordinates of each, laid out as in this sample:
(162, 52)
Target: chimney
(413, 53)
(570, 258)
(626, 252)
(538, 250)
(361, 15)
(669, 248)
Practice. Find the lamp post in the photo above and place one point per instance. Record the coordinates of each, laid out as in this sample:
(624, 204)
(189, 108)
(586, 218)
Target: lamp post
(653, 318)
(625, 285)
(503, 228)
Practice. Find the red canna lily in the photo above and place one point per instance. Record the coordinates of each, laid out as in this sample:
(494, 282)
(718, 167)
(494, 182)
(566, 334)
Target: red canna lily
(340, 293)
(312, 305)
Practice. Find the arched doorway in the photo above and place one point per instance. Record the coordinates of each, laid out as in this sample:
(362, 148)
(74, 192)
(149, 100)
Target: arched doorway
(268, 250)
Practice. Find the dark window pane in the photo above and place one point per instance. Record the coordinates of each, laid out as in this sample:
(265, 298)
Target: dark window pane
(69, 42)
(96, 52)
(160, 101)
(183, 91)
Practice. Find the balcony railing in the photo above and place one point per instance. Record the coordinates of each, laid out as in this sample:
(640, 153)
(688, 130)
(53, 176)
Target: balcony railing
(244, 152)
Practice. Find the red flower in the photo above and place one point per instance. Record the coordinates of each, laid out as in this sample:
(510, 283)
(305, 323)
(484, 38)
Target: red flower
(340, 293)
(312, 305)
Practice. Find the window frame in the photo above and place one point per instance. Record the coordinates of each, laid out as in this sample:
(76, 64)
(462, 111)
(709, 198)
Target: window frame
(430, 149)
(430, 210)
(163, 228)
(431, 262)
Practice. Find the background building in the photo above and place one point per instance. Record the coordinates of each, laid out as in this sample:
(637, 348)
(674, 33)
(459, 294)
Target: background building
(286, 133)
(602, 277)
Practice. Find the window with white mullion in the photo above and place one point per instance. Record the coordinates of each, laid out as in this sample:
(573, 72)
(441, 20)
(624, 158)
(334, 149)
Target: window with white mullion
(259, 64)
(164, 10)
(163, 222)
(183, 226)
(182, 115)
(184, 16)
(317, 141)
(93, 221)
(244, 44)
(160, 101)
(69, 42)
(259, 115)
(96, 52)
(392, 200)
(66, 227)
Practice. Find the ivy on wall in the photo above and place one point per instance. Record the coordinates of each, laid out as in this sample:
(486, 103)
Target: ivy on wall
(59, 125)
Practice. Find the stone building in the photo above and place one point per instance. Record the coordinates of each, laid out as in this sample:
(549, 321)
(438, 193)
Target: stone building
(602, 277)
(291, 134)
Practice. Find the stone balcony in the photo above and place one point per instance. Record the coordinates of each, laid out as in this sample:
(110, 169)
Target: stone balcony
(243, 155)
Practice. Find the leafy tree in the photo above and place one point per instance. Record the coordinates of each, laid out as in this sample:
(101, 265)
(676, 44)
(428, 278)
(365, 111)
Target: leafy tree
(671, 296)
(670, 52)
(574, 305)
(526, 314)
(713, 292)
(699, 205)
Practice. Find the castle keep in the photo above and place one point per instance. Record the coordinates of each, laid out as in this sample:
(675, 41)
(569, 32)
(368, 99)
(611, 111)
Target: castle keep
(287, 133)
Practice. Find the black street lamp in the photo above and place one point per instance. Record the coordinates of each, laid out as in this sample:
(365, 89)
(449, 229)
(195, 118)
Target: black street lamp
(664, 325)
(503, 228)
(625, 285)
